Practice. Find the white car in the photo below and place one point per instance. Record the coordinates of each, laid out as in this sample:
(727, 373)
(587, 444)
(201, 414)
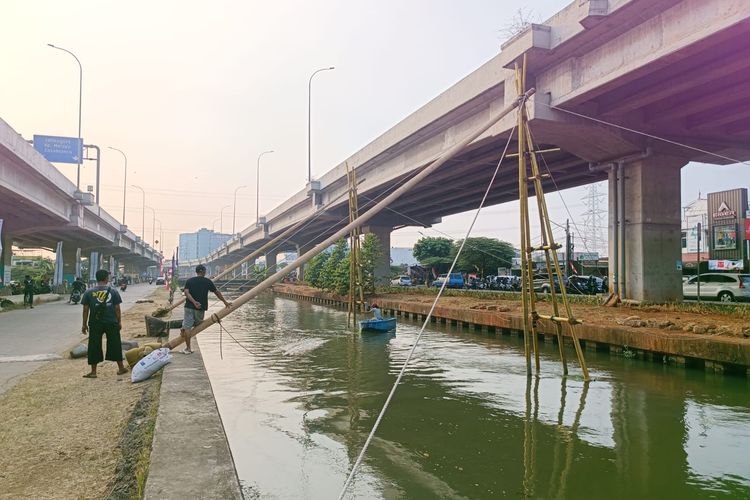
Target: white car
(401, 281)
(160, 281)
(725, 287)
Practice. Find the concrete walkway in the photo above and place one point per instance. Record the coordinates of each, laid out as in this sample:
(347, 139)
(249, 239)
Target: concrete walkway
(190, 457)
(29, 337)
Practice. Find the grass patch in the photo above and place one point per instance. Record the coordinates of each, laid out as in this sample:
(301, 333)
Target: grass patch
(486, 294)
(131, 472)
(734, 310)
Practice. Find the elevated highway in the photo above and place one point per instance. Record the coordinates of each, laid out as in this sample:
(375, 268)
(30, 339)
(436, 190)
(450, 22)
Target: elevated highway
(628, 90)
(41, 207)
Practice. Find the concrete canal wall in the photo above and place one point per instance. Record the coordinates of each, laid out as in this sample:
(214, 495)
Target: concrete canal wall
(719, 354)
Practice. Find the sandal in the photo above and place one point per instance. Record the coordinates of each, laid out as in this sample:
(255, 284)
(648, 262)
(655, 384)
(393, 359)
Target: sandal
(122, 372)
(90, 375)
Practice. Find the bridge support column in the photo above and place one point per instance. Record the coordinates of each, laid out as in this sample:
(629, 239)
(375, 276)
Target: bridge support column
(647, 193)
(383, 264)
(6, 258)
(71, 262)
(271, 262)
(93, 266)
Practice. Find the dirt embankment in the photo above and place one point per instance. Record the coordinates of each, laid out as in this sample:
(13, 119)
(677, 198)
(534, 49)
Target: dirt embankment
(64, 436)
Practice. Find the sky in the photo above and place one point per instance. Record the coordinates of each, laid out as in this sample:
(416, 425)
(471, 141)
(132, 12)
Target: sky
(193, 92)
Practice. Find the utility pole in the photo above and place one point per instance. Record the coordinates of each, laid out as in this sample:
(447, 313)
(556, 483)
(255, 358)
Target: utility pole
(698, 279)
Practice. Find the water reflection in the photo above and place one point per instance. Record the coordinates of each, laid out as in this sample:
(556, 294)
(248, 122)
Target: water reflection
(466, 422)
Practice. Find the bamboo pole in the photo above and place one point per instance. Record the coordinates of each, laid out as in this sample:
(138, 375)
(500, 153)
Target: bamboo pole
(254, 255)
(361, 220)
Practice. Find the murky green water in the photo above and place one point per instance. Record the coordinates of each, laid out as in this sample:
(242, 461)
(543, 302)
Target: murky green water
(466, 422)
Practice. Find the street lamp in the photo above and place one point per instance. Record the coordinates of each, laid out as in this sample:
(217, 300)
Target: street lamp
(143, 213)
(257, 187)
(234, 210)
(221, 219)
(80, 98)
(161, 234)
(124, 182)
(309, 115)
(153, 225)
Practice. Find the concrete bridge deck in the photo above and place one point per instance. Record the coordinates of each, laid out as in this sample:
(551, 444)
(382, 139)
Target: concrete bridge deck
(40, 207)
(671, 69)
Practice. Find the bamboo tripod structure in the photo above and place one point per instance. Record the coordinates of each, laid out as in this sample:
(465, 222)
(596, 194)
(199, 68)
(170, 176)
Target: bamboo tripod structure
(356, 293)
(527, 159)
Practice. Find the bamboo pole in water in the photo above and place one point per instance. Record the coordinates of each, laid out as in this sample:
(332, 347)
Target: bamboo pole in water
(360, 221)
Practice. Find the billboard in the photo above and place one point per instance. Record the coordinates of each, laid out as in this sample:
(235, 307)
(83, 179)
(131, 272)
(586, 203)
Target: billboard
(725, 237)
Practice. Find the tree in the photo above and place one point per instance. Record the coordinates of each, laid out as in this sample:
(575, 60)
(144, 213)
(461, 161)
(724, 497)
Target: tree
(314, 269)
(330, 275)
(370, 253)
(485, 255)
(434, 252)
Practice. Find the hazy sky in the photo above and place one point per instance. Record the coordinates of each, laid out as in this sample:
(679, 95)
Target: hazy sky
(194, 91)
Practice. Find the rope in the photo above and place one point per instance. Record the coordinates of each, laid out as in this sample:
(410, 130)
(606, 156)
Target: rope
(358, 462)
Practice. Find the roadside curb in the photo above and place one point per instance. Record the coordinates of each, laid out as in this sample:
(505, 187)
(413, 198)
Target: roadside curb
(190, 454)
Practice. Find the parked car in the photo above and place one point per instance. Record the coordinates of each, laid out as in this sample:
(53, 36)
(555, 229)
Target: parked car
(541, 283)
(160, 281)
(456, 280)
(584, 286)
(724, 287)
(401, 281)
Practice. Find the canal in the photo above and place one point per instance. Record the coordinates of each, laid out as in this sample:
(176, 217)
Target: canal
(300, 394)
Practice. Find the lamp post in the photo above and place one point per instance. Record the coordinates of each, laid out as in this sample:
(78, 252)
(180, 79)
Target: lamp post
(257, 187)
(143, 214)
(124, 182)
(161, 234)
(234, 210)
(153, 225)
(221, 219)
(309, 116)
(80, 98)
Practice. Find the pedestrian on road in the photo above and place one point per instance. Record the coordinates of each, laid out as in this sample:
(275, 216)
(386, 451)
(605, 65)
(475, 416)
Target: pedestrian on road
(28, 292)
(196, 302)
(101, 316)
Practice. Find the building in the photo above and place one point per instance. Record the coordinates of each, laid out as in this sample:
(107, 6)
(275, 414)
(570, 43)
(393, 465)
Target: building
(201, 243)
(719, 226)
(695, 216)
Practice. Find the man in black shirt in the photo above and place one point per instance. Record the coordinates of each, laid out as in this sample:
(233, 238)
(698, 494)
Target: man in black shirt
(28, 292)
(101, 316)
(196, 302)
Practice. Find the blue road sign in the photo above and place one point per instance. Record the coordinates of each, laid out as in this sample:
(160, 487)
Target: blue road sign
(59, 149)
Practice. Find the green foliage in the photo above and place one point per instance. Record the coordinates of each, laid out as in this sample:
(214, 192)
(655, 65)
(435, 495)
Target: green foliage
(314, 269)
(370, 253)
(330, 278)
(484, 255)
(38, 270)
(434, 252)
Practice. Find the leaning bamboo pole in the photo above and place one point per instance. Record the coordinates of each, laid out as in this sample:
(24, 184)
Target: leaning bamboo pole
(266, 246)
(360, 221)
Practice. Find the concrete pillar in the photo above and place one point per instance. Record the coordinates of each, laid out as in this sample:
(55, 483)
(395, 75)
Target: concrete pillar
(383, 264)
(271, 262)
(71, 262)
(652, 221)
(6, 258)
(93, 266)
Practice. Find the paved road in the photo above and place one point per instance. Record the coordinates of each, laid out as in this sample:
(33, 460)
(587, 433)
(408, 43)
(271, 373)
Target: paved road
(29, 337)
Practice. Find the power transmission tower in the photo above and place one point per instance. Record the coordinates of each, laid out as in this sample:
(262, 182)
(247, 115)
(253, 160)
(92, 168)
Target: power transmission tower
(594, 219)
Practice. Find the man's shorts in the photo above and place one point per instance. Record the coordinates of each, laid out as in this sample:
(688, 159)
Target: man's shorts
(192, 318)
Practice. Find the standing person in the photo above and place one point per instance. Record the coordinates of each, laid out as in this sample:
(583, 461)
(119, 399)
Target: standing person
(28, 291)
(101, 316)
(196, 302)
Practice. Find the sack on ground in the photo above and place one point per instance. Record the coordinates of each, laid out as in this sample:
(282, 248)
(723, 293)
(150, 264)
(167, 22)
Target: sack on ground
(136, 354)
(151, 364)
